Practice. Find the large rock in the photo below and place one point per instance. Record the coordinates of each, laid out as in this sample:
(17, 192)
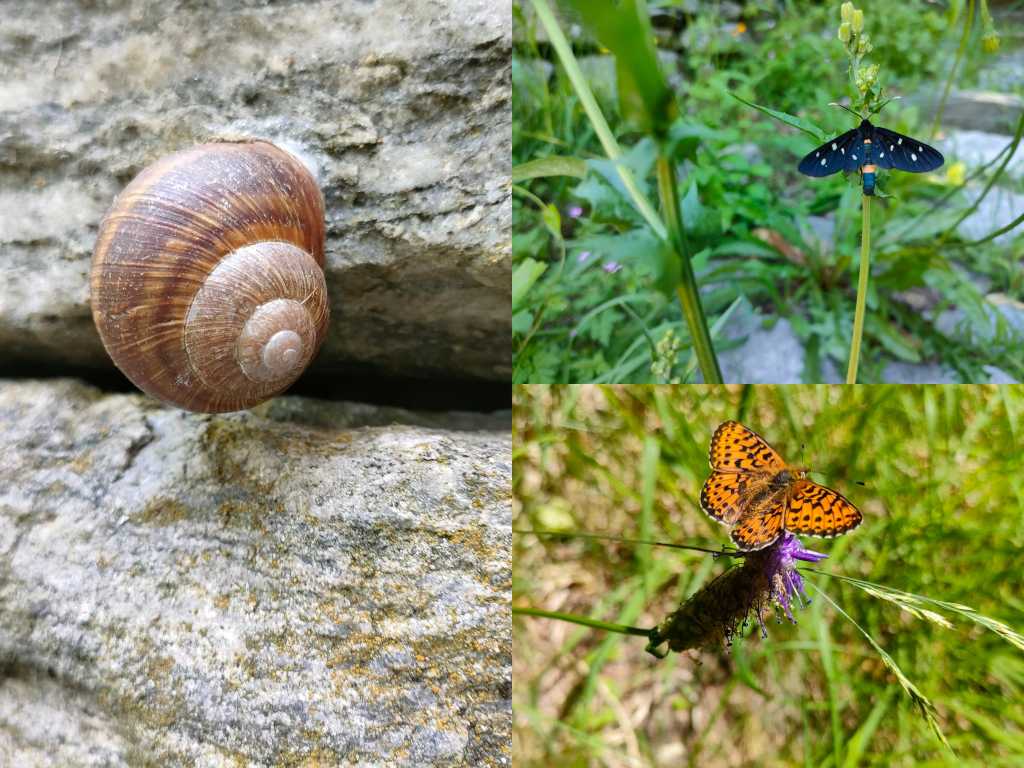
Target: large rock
(401, 108)
(305, 584)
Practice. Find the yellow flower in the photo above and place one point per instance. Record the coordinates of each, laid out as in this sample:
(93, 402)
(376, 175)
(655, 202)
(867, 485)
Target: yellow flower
(857, 23)
(844, 32)
(846, 11)
(956, 174)
(990, 42)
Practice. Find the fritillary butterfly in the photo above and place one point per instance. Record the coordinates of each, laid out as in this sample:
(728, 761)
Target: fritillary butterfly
(752, 490)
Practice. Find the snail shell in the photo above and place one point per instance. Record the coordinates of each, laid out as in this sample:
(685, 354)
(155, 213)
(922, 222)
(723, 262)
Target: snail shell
(207, 276)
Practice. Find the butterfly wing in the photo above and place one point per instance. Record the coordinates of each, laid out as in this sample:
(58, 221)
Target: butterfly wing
(734, 448)
(722, 496)
(904, 153)
(819, 511)
(833, 156)
(763, 527)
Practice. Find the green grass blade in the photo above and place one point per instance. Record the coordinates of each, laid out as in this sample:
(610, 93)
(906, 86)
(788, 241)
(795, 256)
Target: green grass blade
(923, 703)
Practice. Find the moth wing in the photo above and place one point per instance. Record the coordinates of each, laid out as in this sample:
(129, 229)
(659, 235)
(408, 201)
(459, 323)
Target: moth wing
(904, 153)
(832, 156)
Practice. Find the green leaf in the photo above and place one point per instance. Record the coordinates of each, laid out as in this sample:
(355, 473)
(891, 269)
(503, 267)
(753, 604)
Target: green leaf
(624, 28)
(637, 248)
(522, 321)
(552, 220)
(684, 138)
(523, 278)
(554, 165)
(796, 122)
(703, 225)
(603, 190)
(893, 341)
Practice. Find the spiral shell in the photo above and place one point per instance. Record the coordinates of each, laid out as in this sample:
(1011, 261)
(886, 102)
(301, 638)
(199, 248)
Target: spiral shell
(207, 276)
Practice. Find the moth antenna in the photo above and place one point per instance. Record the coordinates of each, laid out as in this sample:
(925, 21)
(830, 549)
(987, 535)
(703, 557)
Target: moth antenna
(843, 106)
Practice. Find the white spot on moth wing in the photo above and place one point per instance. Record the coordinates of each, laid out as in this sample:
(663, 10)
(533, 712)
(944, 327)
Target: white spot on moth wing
(919, 149)
(843, 150)
(823, 161)
(881, 155)
(899, 141)
(854, 157)
(891, 147)
(833, 146)
(817, 153)
(913, 157)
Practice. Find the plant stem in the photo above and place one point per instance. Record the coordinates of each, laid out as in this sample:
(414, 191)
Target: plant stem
(862, 288)
(589, 104)
(968, 24)
(686, 289)
(622, 629)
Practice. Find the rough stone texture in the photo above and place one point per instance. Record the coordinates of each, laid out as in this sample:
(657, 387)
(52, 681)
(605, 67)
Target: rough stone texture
(998, 209)
(765, 355)
(899, 372)
(305, 584)
(977, 148)
(401, 108)
(1001, 315)
(978, 110)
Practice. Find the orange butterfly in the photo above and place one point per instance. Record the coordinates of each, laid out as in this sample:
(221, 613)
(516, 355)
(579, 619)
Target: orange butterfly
(755, 492)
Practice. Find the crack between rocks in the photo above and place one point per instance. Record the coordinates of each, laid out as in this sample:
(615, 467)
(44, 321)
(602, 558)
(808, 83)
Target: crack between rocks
(135, 448)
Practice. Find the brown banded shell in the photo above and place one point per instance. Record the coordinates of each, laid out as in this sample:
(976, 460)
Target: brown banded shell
(207, 281)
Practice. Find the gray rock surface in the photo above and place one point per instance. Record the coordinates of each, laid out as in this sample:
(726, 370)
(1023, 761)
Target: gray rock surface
(978, 148)
(1000, 315)
(307, 583)
(401, 107)
(999, 208)
(994, 111)
(766, 355)
(899, 372)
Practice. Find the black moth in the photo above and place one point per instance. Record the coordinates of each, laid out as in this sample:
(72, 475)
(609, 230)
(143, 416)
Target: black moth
(866, 147)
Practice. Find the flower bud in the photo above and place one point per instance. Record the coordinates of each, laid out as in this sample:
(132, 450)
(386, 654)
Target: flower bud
(846, 11)
(956, 174)
(857, 22)
(990, 42)
(844, 32)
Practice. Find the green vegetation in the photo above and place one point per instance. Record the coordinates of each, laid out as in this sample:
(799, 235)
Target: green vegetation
(942, 498)
(600, 287)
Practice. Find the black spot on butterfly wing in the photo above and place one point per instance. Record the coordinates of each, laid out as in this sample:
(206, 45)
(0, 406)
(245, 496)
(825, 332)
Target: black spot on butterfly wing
(904, 153)
(824, 161)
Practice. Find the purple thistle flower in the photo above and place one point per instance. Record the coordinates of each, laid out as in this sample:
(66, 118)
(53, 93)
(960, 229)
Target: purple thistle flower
(786, 582)
(583, 257)
(722, 607)
(575, 211)
(612, 267)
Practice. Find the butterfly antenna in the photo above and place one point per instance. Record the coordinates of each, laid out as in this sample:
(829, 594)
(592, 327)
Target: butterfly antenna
(843, 106)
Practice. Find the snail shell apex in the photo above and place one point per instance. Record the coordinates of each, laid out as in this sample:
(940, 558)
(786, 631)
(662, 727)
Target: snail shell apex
(207, 282)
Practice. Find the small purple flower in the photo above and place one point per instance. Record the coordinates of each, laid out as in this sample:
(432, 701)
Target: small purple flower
(575, 211)
(573, 333)
(722, 607)
(612, 267)
(786, 583)
(584, 257)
